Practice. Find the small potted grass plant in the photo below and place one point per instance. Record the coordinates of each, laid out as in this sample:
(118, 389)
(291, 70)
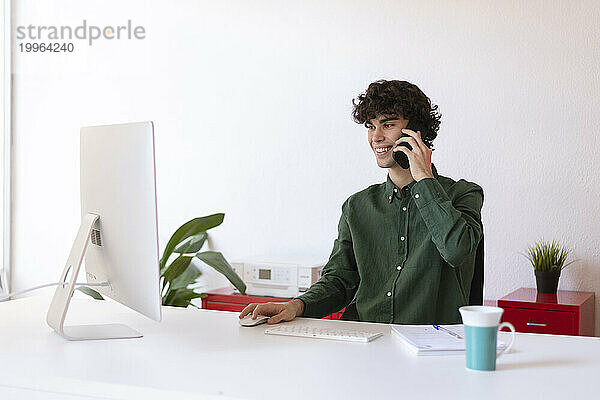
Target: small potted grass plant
(548, 260)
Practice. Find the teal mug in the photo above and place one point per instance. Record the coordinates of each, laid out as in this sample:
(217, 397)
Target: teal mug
(482, 324)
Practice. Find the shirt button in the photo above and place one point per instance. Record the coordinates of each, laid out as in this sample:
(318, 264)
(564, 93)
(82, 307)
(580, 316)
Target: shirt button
(399, 267)
(389, 294)
(395, 190)
(417, 196)
(390, 198)
(403, 208)
(402, 238)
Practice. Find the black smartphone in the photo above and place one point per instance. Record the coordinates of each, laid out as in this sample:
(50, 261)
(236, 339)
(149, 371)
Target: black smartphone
(399, 156)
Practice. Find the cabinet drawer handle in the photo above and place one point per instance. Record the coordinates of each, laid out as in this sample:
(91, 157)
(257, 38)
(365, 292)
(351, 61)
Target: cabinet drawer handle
(535, 324)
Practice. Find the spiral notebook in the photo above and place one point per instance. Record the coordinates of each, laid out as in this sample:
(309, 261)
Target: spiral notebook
(425, 340)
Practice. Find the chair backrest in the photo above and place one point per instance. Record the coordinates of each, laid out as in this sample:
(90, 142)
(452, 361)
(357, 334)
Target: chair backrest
(476, 294)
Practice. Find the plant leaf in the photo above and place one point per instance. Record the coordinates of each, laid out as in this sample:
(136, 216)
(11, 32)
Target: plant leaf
(90, 292)
(219, 263)
(193, 245)
(190, 228)
(186, 278)
(181, 297)
(176, 268)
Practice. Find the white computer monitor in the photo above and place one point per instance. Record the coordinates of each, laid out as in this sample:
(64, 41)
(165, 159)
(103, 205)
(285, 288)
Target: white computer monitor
(119, 230)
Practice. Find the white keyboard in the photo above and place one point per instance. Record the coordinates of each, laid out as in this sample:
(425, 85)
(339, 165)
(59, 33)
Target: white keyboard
(323, 333)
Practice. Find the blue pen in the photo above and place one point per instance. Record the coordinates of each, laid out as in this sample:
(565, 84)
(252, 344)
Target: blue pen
(441, 328)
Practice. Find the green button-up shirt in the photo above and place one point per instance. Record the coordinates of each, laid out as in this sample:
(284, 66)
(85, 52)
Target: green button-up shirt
(403, 256)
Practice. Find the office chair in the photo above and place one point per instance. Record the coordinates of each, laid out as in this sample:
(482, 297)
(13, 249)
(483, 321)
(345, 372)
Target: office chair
(476, 294)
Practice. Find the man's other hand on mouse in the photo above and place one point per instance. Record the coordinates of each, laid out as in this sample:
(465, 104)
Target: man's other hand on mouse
(277, 311)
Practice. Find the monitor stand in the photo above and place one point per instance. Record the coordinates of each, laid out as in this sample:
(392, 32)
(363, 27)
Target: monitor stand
(62, 296)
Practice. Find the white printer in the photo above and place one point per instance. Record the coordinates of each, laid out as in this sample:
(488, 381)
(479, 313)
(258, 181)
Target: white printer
(278, 276)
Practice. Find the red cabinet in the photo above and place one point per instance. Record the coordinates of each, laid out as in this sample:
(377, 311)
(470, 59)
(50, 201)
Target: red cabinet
(226, 299)
(565, 313)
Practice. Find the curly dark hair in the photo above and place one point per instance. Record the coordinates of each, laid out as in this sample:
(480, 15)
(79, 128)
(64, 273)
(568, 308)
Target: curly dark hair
(398, 98)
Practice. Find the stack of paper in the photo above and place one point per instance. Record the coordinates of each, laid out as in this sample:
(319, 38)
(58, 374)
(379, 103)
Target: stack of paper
(425, 340)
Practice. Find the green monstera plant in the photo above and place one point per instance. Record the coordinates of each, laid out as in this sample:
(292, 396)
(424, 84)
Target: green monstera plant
(175, 276)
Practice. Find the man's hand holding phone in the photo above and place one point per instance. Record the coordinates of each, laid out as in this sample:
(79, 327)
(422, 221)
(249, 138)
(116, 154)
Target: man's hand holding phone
(420, 155)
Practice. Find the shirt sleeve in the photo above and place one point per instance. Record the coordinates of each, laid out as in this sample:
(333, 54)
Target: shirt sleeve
(339, 278)
(455, 224)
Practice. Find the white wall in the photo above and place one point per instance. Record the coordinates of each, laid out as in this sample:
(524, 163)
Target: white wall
(5, 129)
(252, 108)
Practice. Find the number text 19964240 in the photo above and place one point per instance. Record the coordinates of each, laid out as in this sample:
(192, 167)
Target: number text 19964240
(46, 47)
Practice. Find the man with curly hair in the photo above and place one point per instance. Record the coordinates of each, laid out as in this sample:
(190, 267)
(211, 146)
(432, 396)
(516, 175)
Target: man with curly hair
(409, 250)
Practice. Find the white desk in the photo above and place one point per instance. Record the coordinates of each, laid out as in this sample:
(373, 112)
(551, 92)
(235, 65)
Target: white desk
(201, 354)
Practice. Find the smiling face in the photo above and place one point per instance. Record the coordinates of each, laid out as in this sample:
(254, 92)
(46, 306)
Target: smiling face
(383, 132)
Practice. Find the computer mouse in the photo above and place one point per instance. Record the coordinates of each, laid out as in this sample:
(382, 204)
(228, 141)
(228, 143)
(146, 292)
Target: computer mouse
(248, 321)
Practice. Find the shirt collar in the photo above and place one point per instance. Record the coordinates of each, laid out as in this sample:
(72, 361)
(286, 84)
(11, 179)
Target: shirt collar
(390, 186)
